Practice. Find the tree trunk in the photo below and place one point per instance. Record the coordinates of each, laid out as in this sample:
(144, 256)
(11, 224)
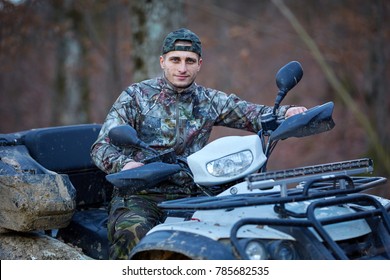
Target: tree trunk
(71, 104)
(151, 21)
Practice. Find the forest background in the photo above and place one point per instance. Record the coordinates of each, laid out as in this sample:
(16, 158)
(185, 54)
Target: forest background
(66, 61)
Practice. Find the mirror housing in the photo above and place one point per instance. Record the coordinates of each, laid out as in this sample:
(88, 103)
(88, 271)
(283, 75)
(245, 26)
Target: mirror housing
(289, 76)
(125, 136)
(286, 78)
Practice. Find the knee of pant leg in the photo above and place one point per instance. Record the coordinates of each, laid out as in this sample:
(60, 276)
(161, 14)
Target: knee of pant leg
(125, 236)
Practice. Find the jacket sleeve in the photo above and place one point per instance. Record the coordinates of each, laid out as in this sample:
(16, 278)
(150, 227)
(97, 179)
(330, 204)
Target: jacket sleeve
(106, 156)
(237, 113)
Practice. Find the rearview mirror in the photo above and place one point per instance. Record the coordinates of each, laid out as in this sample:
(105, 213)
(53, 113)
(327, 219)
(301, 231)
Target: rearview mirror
(125, 136)
(287, 78)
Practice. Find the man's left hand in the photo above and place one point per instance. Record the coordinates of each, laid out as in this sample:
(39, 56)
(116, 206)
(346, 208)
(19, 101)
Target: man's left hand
(294, 110)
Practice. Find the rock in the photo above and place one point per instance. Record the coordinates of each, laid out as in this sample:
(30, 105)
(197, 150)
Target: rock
(30, 202)
(36, 246)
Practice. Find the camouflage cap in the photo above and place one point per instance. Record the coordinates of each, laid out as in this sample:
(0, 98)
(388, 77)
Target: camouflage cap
(182, 34)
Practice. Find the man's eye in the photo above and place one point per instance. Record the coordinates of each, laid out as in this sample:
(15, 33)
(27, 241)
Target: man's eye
(191, 61)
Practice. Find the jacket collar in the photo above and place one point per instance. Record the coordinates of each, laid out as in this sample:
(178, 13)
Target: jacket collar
(169, 88)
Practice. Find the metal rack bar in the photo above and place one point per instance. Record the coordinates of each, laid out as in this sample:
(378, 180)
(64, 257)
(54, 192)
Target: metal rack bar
(308, 173)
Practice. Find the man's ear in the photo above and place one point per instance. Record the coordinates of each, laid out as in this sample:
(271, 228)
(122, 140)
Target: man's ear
(200, 63)
(162, 60)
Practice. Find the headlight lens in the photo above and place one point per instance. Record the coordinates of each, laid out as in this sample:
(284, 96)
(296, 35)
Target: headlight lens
(282, 250)
(230, 165)
(255, 250)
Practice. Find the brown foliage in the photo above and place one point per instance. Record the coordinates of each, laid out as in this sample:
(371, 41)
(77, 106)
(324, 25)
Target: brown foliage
(245, 42)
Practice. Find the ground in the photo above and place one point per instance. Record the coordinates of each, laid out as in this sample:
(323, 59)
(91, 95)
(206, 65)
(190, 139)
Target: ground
(36, 246)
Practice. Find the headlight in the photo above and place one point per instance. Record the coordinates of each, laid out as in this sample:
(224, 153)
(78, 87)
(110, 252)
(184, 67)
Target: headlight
(230, 165)
(255, 250)
(282, 250)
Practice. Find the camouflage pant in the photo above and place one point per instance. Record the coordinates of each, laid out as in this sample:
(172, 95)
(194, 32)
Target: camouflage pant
(129, 220)
(132, 216)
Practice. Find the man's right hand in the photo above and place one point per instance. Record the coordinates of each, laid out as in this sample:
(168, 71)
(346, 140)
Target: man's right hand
(132, 164)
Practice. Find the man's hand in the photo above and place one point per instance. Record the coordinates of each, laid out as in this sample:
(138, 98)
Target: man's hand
(294, 110)
(132, 164)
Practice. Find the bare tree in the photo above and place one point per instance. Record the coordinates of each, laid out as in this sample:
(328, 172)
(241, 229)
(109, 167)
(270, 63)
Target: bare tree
(71, 103)
(151, 21)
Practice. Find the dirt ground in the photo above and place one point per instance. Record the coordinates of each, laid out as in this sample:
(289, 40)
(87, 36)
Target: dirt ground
(36, 246)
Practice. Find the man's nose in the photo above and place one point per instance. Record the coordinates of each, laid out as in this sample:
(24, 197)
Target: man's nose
(183, 67)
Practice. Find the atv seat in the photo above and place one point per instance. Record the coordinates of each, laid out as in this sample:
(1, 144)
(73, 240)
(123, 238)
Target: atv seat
(66, 150)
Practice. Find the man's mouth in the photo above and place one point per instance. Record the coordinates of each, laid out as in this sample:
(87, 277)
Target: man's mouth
(181, 77)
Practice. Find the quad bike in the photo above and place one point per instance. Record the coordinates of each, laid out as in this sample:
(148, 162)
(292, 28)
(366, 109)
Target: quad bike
(312, 212)
(49, 185)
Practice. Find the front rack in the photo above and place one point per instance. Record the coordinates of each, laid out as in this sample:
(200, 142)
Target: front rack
(333, 181)
(315, 182)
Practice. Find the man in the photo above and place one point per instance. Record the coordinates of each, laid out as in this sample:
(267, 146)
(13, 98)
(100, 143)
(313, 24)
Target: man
(171, 111)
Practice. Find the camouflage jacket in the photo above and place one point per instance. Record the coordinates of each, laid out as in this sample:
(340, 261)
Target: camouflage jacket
(164, 118)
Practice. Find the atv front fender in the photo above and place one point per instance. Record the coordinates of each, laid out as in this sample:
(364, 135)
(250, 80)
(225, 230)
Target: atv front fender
(181, 245)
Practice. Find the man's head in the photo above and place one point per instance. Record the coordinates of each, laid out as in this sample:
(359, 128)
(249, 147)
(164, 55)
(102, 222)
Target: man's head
(181, 58)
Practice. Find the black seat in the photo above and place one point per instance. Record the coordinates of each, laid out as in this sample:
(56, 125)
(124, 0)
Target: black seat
(66, 150)
(63, 149)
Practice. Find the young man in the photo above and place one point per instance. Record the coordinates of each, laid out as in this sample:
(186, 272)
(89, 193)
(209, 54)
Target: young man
(170, 111)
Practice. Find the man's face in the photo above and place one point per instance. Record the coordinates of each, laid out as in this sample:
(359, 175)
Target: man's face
(180, 67)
